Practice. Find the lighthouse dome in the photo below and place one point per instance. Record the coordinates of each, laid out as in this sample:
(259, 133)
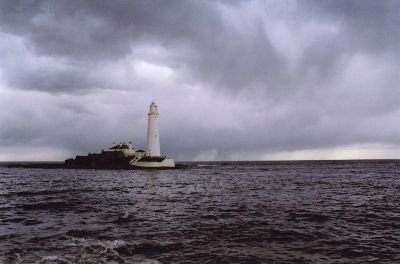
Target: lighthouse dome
(153, 109)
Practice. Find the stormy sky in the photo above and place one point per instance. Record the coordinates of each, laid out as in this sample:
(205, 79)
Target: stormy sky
(234, 80)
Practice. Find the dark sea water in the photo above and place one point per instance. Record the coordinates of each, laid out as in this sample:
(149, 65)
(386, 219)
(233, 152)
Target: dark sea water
(244, 212)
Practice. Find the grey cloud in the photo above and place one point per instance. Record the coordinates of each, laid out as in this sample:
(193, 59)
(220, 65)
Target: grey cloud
(234, 61)
(218, 54)
(52, 81)
(102, 29)
(369, 26)
(81, 33)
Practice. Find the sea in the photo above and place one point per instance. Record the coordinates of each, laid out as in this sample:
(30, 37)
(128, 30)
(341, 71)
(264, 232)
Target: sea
(207, 212)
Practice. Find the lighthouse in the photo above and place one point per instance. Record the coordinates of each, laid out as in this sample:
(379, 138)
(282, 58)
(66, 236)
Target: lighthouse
(153, 137)
(153, 159)
(124, 156)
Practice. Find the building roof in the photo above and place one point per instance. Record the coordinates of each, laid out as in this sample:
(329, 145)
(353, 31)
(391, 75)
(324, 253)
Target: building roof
(121, 146)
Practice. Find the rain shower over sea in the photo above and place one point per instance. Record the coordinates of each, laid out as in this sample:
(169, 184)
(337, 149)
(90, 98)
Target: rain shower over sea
(216, 212)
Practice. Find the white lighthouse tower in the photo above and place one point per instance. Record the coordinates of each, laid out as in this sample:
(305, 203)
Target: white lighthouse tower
(153, 137)
(153, 158)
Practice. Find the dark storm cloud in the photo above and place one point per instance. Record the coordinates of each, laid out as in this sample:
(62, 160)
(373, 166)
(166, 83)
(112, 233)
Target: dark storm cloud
(317, 74)
(53, 81)
(218, 52)
(370, 26)
(83, 32)
(103, 30)
(236, 61)
(107, 30)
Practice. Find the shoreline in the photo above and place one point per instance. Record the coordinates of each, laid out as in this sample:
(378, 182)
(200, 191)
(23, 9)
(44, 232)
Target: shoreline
(60, 165)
